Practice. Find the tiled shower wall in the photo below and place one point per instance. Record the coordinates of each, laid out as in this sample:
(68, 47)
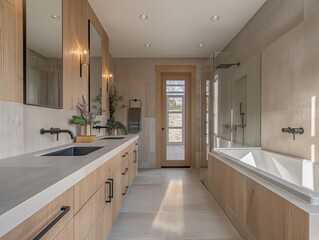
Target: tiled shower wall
(287, 34)
(135, 78)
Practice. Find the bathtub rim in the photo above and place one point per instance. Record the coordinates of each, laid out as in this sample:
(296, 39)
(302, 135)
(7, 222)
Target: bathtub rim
(307, 196)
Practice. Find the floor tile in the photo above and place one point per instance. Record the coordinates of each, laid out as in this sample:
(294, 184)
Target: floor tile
(148, 179)
(149, 172)
(197, 225)
(180, 174)
(171, 204)
(143, 198)
(138, 226)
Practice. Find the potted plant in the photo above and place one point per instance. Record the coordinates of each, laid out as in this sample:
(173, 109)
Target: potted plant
(112, 125)
(85, 119)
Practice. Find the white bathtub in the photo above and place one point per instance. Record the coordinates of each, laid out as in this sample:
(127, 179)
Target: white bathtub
(298, 176)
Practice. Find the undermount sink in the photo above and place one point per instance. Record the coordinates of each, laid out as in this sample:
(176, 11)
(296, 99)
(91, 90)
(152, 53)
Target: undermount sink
(112, 137)
(73, 151)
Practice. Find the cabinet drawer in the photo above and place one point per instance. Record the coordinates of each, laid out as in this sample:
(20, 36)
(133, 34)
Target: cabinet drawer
(85, 189)
(88, 214)
(104, 173)
(115, 162)
(41, 219)
(67, 233)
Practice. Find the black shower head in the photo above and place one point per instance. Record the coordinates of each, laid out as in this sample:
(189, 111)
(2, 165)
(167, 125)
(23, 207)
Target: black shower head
(227, 65)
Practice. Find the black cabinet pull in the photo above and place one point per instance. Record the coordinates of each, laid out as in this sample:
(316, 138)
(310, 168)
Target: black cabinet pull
(112, 187)
(64, 210)
(125, 155)
(109, 197)
(126, 169)
(135, 154)
(126, 189)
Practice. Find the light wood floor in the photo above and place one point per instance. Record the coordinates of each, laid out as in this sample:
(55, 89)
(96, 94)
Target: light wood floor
(171, 204)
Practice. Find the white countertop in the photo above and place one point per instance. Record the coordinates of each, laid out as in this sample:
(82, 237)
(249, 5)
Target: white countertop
(28, 182)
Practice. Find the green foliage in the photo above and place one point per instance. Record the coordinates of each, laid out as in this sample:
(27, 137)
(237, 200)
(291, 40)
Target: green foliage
(85, 117)
(173, 105)
(114, 100)
(112, 124)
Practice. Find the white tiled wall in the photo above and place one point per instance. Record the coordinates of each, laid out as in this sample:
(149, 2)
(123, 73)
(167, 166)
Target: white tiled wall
(11, 129)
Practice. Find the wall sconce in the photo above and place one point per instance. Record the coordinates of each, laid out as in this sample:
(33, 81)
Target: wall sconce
(109, 81)
(84, 60)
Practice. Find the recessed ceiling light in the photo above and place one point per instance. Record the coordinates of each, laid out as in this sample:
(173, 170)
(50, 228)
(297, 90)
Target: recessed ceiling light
(55, 17)
(215, 18)
(143, 17)
(147, 45)
(201, 45)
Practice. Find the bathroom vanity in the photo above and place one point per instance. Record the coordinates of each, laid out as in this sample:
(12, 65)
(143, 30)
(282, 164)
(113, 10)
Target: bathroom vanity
(49, 196)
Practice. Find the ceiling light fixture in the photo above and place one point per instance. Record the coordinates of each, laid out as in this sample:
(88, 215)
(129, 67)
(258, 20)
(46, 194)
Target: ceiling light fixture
(215, 18)
(143, 17)
(55, 17)
(147, 45)
(201, 45)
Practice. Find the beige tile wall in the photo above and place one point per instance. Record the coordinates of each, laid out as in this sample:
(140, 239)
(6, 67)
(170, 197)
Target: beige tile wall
(135, 78)
(287, 34)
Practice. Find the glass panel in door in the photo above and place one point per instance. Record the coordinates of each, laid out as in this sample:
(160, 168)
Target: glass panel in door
(175, 120)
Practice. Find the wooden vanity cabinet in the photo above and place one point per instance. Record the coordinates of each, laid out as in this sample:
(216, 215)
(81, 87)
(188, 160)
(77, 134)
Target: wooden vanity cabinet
(95, 218)
(39, 221)
(94, 203)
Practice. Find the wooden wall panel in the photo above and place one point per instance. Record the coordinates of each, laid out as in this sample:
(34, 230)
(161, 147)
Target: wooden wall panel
(267, 214)
(105, 55)
(10, 84)
(298, 224)
(72, 48)
(75, 41)
(256, 212)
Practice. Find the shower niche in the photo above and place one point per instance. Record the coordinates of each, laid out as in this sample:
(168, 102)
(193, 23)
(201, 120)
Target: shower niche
(236, 100)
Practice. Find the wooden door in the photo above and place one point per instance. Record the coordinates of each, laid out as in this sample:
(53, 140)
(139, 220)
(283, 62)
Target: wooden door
(175, 118)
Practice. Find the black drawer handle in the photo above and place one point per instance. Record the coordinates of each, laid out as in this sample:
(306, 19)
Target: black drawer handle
(64, 210)
(109, 197)
(112, 184)
(126, 189)
(126, 170)
(135, 154)
(124, 155)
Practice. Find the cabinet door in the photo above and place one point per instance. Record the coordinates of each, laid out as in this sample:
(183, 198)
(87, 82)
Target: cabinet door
(117, 200)
(88, 214)
(102, 227)
(85, 189)
(67, 233)
(41, 219)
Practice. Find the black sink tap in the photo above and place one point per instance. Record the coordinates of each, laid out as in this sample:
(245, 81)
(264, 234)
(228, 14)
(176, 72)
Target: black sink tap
(56, 131)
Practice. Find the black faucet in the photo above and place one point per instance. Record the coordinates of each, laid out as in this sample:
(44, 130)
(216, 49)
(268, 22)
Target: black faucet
(293, 131)
(56, 131)
(99, 127)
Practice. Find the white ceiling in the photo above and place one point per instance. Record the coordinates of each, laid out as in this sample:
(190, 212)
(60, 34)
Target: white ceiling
(44, 34)
(174, 28)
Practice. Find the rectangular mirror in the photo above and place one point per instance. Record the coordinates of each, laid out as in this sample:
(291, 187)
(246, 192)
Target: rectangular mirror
(43, 61)
(95, 76)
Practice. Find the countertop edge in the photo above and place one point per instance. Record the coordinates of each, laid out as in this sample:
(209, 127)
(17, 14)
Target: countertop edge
(26, 209)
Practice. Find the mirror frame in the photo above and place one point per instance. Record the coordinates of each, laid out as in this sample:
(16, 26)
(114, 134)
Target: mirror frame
(24, 18)
(89, 69)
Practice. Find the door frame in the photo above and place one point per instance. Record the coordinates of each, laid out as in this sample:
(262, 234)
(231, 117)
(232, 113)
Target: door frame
(175, 69)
